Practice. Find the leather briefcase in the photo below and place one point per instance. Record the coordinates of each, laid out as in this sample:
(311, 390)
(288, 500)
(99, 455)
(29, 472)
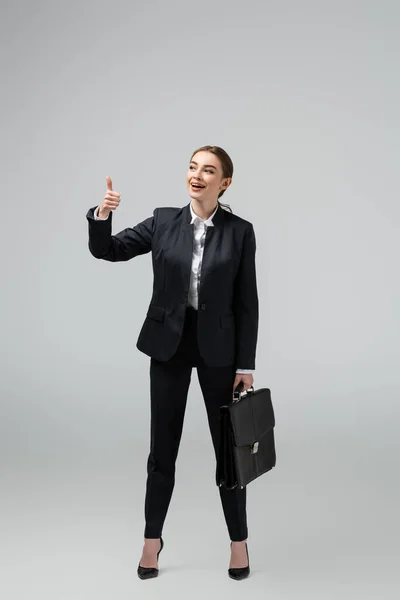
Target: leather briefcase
(247, 442)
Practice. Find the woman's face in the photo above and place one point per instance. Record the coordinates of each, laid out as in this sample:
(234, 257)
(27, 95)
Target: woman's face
(205, 169)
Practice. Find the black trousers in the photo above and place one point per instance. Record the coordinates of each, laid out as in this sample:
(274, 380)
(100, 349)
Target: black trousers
(169, 385)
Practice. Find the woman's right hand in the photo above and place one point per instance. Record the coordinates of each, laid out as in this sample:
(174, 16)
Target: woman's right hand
(110, 202)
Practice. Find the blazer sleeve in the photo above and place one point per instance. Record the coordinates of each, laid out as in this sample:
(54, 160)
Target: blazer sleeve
(126, 244)
(245, 303)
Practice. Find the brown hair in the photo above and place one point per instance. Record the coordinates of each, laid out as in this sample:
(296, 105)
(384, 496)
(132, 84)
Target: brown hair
(226, 164)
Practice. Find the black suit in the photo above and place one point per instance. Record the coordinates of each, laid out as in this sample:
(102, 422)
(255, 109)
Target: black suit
(218, 338)
(228, 301)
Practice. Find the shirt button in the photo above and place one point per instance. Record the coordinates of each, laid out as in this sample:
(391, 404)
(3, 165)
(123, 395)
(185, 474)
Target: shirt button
(203, 307)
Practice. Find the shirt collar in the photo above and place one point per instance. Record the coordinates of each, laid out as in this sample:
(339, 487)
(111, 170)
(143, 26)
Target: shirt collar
(207, 222)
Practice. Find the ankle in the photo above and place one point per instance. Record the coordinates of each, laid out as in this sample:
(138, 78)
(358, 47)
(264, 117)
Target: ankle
(152, 543)
(237, 544)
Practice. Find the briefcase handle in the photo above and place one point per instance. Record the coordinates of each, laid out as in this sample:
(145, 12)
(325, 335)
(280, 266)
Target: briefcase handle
(238, 394)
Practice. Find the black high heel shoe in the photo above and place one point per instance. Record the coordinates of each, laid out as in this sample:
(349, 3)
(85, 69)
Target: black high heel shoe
(240, 572)
(149, 572)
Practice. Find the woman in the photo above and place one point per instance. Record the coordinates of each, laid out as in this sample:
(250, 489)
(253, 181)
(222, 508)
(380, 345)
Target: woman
(203, 313)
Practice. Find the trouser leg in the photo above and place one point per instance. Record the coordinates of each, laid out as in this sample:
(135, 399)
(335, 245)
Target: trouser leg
(169, 384)
(217, 386)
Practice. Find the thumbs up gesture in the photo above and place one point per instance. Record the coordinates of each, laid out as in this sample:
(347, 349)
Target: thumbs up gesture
(110, 202)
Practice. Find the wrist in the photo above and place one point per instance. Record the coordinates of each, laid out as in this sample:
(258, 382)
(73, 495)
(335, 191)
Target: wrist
(103, 214)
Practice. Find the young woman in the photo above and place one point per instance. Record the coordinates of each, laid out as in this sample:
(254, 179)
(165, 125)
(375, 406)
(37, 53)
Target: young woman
(203, 313)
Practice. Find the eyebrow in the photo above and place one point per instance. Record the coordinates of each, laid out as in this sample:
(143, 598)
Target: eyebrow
(195, 163)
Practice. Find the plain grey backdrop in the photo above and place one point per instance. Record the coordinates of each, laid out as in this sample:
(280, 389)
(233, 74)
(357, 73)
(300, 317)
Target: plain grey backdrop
(304, 96)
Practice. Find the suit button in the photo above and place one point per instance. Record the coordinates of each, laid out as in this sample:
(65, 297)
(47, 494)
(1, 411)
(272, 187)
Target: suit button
(203, 307)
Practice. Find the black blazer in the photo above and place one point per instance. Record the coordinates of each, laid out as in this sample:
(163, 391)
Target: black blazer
(228, 300)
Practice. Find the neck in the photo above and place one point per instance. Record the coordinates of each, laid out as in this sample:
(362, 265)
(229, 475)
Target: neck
(205, 209)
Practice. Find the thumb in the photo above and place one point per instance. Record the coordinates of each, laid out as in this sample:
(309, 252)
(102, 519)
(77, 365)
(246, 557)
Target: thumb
(109, 183)
(237, 380)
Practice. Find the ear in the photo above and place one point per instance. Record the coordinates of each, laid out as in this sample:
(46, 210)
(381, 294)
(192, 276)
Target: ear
(226, 183)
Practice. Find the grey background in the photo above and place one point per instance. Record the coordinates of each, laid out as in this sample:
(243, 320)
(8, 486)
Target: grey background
(304, 96)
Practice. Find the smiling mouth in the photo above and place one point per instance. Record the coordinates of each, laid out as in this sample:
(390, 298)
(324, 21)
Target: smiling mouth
(197, 187)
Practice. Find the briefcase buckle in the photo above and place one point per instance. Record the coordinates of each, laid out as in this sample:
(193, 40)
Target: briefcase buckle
(254, 447)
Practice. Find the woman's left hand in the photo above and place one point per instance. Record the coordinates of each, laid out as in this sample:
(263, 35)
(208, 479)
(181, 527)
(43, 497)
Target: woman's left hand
(247, 379)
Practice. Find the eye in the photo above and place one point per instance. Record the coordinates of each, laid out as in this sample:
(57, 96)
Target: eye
(208, 170)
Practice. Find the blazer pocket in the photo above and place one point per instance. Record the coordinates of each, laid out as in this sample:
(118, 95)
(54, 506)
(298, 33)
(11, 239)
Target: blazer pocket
(156, 312)
(227, 320)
